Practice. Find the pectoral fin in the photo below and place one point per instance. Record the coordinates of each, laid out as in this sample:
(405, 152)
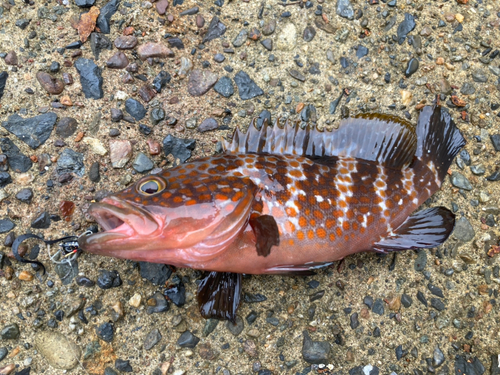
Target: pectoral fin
(424, 229)
(266, 232)
(219, 295)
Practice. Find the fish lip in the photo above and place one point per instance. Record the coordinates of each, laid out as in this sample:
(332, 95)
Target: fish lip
(120, 220)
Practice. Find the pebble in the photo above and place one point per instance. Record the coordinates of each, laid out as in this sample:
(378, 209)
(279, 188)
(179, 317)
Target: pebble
(107, 11)
(219, 57)
(152, 339)
(437, 304)
(179, 148)
(108, 279)
(411, 67)
(247, 88)
(315, 352)
(142, 163)
(50, 84)
(99, 42)
(241, 38)
(208, 124)
(224, 87)
(33, 131)
(469, 366)
(123, 365)
(59, 351)
(460, 181)
(479, 76)
(125, 42)
(237, 327)
(90, 78)
(405, 27)
(135, 109)
(3, 353)
(161, 80)
(118, 61)
(10, 332)
(42, 221)
(209, 327)
(176, 294)
(66, 127)
(267, 43)
(287, 39)
(105, 332)
(3, 81)
(378, 307)
(110, 371)
(17, 161)
(161, 7)
(84, 3)
(467, 89)
(215, 30)
(156, 273)
(463, 231)
(495, 141)
(5, 179)
(200, 81)
(150, 50)
(344, 9)
(187, 340)
(438, 357)
(84, 281)
(354, 322)
(161, 304)
(309, 34)
(70, 161)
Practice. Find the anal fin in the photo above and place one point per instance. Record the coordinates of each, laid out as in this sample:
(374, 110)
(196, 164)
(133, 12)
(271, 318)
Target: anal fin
(219, 295)
(424, 229)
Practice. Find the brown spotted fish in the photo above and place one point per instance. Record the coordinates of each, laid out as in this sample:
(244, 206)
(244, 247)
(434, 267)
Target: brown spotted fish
(286, 199)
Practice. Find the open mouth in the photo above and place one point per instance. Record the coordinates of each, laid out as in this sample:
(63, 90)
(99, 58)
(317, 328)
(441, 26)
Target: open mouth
(119, 219)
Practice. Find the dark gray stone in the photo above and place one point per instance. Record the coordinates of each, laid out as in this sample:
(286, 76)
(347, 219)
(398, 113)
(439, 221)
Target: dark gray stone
(406, 300)
(152, 339)
(161, 80)
(105, 332)
(435, 290)
(177, 294)
(108, 279)
(142, 163)
(3, 353)
(42, 221)
(33, 131)
(406, 26)
(315, 352)
(90, 77)
(107, 11)
(309, 33)
(208, 124)
(378, 307)
(157, 273)
(421, 261)
(17, 161)
(237, 327)
(345, 9)
(10, 332)
(247, 88)
(437, 304)
(123, 365)
(66, 127)
(94, 175)
(215, 30)
(240, 38)
(267, 43)
(84, 3)
(361, 51)
(25, 195)
(479, 76)
(224, 86)
(70, 162)
(160, 306)
(3, 81)
(135, 109)
(179, 148)
(6, 225)
(463, 230)
(5, 179)
(467, 89)
(437, 357)
(99, 42)
(495, 141)
(472, 366)
(187, 340)
(411, 67)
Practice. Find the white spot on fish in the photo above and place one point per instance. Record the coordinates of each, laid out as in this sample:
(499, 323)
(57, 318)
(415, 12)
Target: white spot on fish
(319, 198)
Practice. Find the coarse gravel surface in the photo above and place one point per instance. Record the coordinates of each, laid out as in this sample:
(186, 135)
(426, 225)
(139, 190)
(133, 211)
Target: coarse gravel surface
(88, 105)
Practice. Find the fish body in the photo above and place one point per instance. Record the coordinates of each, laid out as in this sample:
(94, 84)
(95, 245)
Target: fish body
(287, 199)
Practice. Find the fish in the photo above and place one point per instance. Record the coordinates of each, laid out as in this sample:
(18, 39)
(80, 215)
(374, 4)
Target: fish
(286, 199)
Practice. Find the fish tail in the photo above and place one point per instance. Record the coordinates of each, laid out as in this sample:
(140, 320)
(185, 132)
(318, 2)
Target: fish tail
(438, 141)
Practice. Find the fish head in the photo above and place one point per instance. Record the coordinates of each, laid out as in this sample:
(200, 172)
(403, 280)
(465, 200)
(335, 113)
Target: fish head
(176, 217)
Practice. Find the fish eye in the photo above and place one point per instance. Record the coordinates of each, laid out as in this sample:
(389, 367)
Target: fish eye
(151, 187)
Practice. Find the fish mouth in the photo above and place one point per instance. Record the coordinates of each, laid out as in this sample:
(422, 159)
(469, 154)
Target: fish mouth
(119, 220)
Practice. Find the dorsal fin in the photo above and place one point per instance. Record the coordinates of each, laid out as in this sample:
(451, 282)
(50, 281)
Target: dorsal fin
(383, 138)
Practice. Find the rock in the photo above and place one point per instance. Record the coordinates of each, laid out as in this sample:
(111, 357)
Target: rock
(10, 332)
(247, 88)
(378, 307)
(309, 33)
(467, 89)
(161, 80)
(219, 57)
(463, 230)
(269, 26)
(268, 44)
(66, 127)
(237, 327)
(421, 261)
(110, 371)
(297, 75)
(70, 162)
(5, 179)
(200, 81)
(241, 38)
(3, 353)
(264, 116)
(406, 26)
(354, 322)
(6, 225)
(187, 340)
(117, 61)
(105, 332)
(25, 195)
(33, 131)
(179, 148)
(107, 11)
(142, 163)
(207, 125)
(147, 93)
(435, 290)
(495, 141)
(406, 300)
(152, 339)
(157, 115)
(437, 304)
(495, 365)
(479, 76)
(125, 42)
(50, 84)
(287, 39)
(94, 175)
(469, 366)
(344, 9)
(90, 77)
(437, 358)
(215, 30)
(84, 3)
(135, 109)
(3, 82)
(120, 152)
(11, 58)
(315, 352)
(96, 146)
(17, 161)
(161, 7)
(98, 42)
(460, 181)
(161, 304)
(123, 365)
(177, 294)
(224, 86)
(57, 349)
(361, 51)
(42, 221)
(175, 43)
(150, 50)
(156, 273)
(108, 279)
(411, 67)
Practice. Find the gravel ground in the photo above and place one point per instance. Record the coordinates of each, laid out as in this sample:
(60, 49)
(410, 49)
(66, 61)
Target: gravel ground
(82, 119)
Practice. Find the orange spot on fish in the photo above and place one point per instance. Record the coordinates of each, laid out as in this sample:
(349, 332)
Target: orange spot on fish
(318, 214)
(321, 232)
(310, 234)
(350, 215)
(295, 173)
(290, 228)
(339, 231)
(291, 212)
(346, 225)
(191, 202)
(338, 213)
(221, 197)
(300, 235)
(355, 226)
(237, 196)
(291, 242)
(178, 199)
(302, 222)
(332, 237)
(330, 223)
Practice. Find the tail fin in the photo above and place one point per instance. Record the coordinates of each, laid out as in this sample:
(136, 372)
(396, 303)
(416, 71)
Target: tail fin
(438, 139)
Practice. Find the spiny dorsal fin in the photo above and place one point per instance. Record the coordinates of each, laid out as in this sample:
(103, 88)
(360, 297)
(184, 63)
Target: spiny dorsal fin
(386, 139)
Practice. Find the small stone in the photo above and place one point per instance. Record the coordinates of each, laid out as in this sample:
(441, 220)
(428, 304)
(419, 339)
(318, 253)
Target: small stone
(123, 365)
(156, 273)
(240, 38)
(237, 327)
(142, 163)
(125, 42)
(179, 148)
(405, 27)
(57, 349)
(315, 352)
(437, 304)
(247, 88)
(11, 58)
(215, 30)
(187, 340)
(135, 300)
(70, 161)
(147, 93)
(200, 81)
(207, 125)
(267, 43)
(479, 76)
(344, 9)
(50, 84)
(438, 357)
(108, 279)
(309, 33)
(90, 78)
(161, 7)
(460, 181)
(161, 80)
(26, 276)
(135, 109)
(463, 230)
(117, 61)
(151, 50)
(411, 67)
(105, 332)
(152, 339)
(224, 86)
(25, 195)
(104, 19)
(42, 221)
(10, 332)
